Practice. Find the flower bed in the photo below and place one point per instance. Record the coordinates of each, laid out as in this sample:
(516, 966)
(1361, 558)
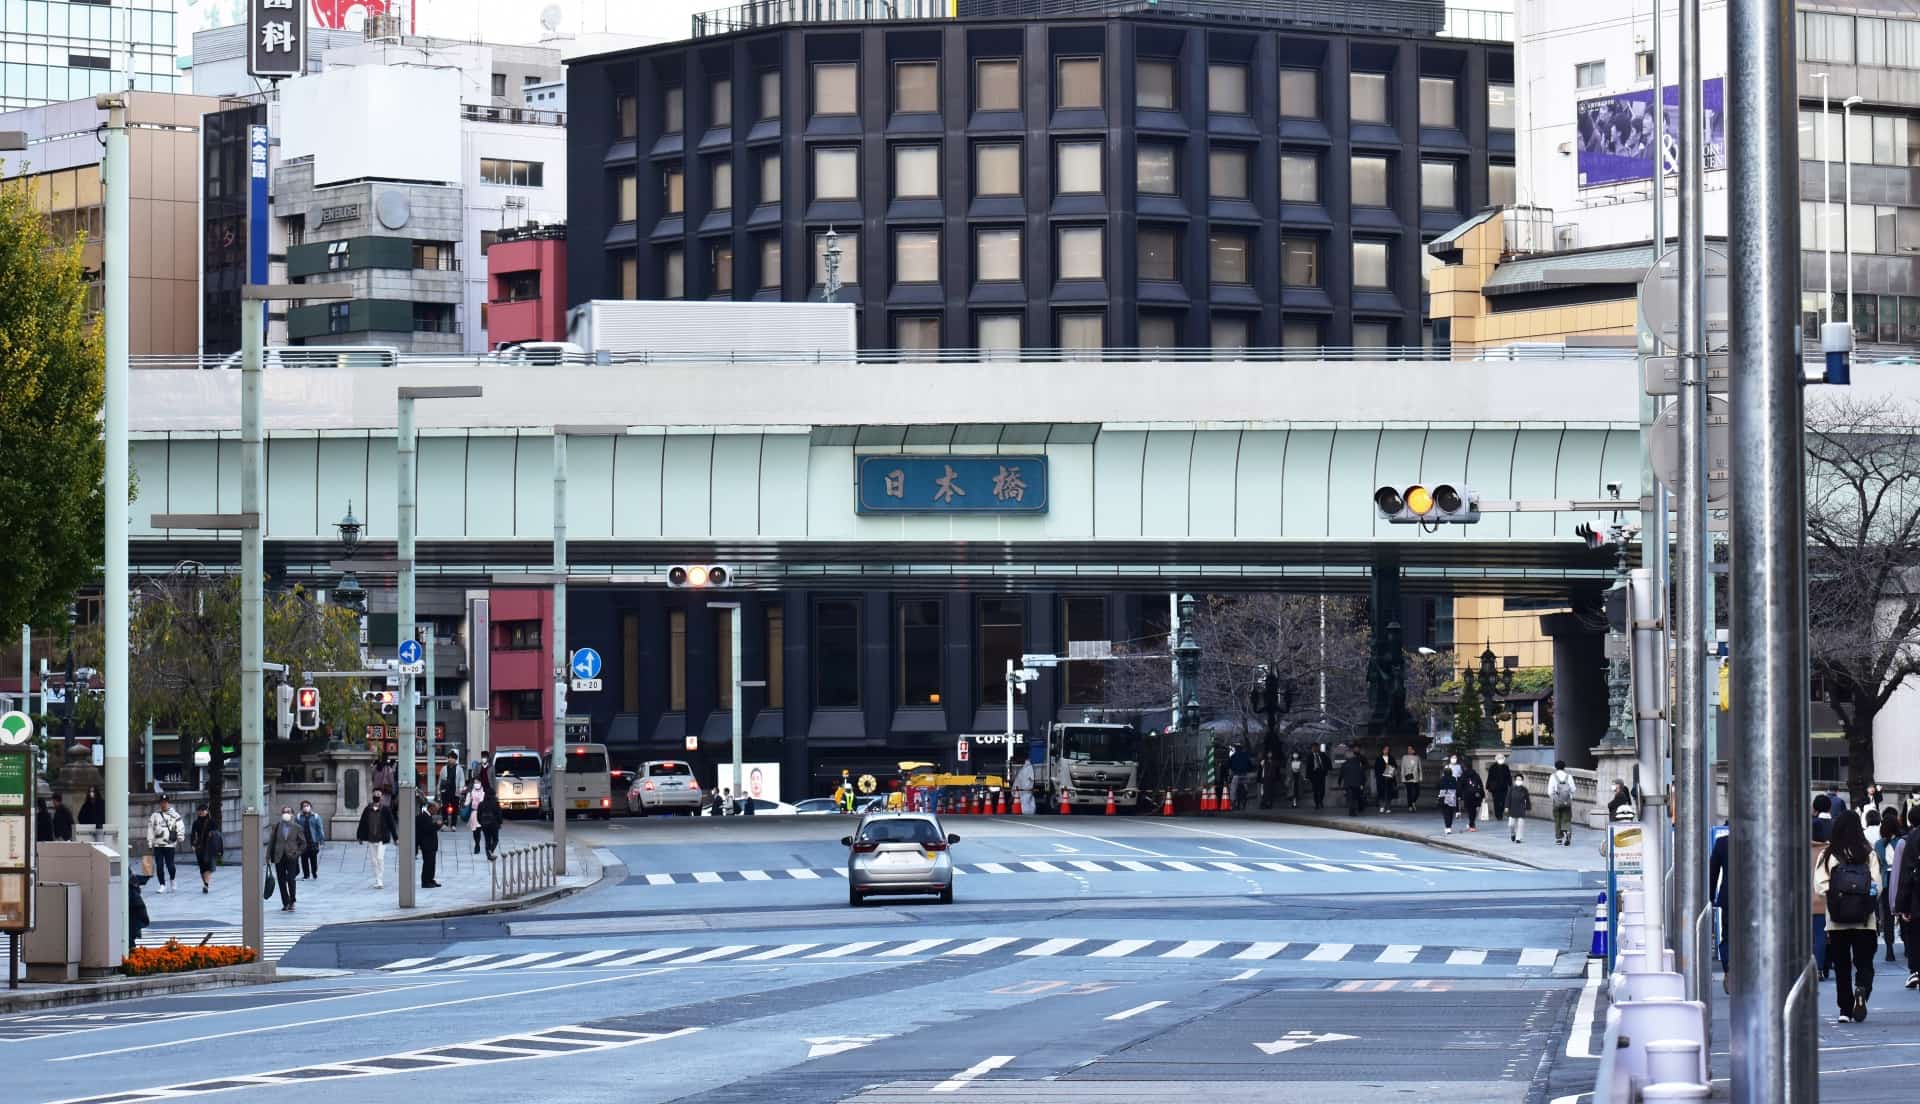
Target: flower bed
(175, 957)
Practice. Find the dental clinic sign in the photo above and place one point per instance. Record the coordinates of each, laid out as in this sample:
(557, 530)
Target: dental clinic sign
(276, 38)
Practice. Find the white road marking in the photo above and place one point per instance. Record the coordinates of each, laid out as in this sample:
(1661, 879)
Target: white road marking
(778, 952)
(1192, 948)
(918, 946)
(453, 964)
(841, 871)
(959, 1080)
(846, 949)
(1538, 956)
(711, 953)
(756, 876)
(1371, 868)
(802, 874)
(648, 956)
(1464, 957)
(1245, 975)
(1050, 947)
(1278, 868)
(1329, 952)
(1121, 948)
(659, 879)
(1234, 867)
(1136, 1010)
(1088, 866)
(1134, 864)
(993, 868)
(575, 960)
(1041, 867)
(404, 963)
(1297, 1040)
(1580, 1038)
(1399, 954)
(1324, 866)
(1096, 839)
(982, 946)
(707, 876)
(840, 1044)
(1259, 951)
(1186, 866)
(1220, 851)
(1229, 835)
(518, 960)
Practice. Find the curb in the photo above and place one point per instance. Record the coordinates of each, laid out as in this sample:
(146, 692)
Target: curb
(1364, 828)
(132, 988)
(484, 908)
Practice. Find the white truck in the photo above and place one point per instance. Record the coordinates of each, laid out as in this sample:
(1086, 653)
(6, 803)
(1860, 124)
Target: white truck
(1084, 762)
(626, 327)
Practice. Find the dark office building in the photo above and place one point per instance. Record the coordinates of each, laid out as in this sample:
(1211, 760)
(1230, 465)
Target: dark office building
(1162, 175)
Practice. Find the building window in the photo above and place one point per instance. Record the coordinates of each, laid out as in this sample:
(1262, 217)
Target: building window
(339, 255)
(1300, 333)
(626, 116)
(996, 84)
(770, 177)
(1227, 257)
(339, 317)
(439, 257)
(996, 255)
(1002, 629)
(499, 85)
(1078, 168)
(997, 332)
(1437, 102)
(1368, 93)
(1501, 188)
(1227, 173)
(916, 86)
(519, 287)
(769, 95)
(1159, 253)
(1372, 335)
(524, 705)
(1872, 41)
(996, 169)
(629, 278)
(1500, 106)
(1299, 178)
(776, 657)
(836, 653)
(1159, 331)
(1154, 169)
(916, 172)
(1642, 64)
(1082, 330)
(434, 318)
(673, 111)
(916, 332)
(920, 643)
(722, 184)
(836, 173)
(1226, 88)
(720, 269)
(849, 258)
(1826, 37)
(1154, 84)
(834, 88)
(916, 257)
(673, 189)
(1589, 74)
(677, 661)
(1439, 185)
(1300, 93)
(1230, 333)
(1081, 251)
(629, 202)
(1368, 187)
(1300, 262)
(514, 174)
(722, 104)
(1369, 264)
(519, 636)
(673, 274)
(1078, 82)
(770, 263)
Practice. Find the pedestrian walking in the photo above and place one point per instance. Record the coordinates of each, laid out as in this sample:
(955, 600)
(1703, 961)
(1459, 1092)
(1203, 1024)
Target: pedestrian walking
(1411, 776)
(316, 832)
(1620, 804)
(1499, 781)
(286, 843)
(1296, 776)
(1891, 831)
(1449, 795)
(1240, 764)
(447, 803)
(1822, 835)
(476, 796)
(1844, 877)
(377, 829)
(62, 822)
(1383, 779)
(426, 840)
(43, 821)
(1269, 775)
(137, 918)
(1560, 793)
(1473, 792)
(1905, 891)
(1023, 788)
(1353, 778)
(1319, 766)
(208, 843)
(1519, 804)
(490, 821)
(1718, 873)
(1836, 801)
(93, 810)
(165, 831)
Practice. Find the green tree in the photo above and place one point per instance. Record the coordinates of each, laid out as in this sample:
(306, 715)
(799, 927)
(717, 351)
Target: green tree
(185, 640)
(52, 458)
(1466, 715)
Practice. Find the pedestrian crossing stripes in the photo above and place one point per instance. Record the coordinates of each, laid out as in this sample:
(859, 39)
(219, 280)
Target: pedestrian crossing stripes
(1089, 866)
(1021, 948)
(279, 941)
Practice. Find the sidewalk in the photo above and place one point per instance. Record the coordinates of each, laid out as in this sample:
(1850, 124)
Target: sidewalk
(342, 894)
(1538, 851)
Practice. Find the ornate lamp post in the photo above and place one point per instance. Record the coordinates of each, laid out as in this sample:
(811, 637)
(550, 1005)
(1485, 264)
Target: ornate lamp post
(1186, 656)
(832, 254)
(1620, 726)
(348, 591)
(1492, 686)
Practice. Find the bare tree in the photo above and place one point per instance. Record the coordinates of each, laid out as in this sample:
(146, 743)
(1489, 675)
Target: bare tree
(1863, 528)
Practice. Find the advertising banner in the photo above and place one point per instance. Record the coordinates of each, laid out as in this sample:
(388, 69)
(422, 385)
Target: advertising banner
(1616, 134)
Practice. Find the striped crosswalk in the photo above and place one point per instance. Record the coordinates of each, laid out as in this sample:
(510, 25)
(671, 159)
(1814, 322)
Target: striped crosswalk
(1511, 959)
(1080, 866)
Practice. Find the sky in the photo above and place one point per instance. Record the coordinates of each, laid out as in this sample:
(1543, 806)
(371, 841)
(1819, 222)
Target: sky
(505, 21)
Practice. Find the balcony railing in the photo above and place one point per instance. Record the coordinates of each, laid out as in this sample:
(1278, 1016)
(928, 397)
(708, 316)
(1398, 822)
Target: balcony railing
(1402, 16)
(527, 116)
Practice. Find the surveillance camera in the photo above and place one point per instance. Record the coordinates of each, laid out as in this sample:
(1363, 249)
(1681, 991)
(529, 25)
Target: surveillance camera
(1613, 490)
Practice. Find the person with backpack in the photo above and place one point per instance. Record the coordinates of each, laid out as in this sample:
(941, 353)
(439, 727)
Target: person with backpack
(1519, 804)
(1353, 779)
(1560, 795)
(1410, 776)
(1822, 835)
(1473, 792)
(316, 830)
(1845, 881)
(1449, 795)
(165, 832)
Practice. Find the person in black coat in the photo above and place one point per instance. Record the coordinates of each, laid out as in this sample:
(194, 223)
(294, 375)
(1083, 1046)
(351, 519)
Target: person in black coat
(93, 810)
(490, 822)
(1472, 792)
(1319, 765)
(1499, 781)
(43, 822)
(426, 840)
(1717, 877)
(1353, 778)
(376, 830)
(62, 821)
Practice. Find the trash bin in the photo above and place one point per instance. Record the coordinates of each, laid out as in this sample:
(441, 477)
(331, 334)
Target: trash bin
(52, 948)
(95, 868)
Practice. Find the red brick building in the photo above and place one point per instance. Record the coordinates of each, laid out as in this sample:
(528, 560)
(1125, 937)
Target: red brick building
(527, 286)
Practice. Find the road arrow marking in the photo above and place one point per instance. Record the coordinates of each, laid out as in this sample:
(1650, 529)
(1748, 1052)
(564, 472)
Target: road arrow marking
(840, 1044)
(1300, 1040)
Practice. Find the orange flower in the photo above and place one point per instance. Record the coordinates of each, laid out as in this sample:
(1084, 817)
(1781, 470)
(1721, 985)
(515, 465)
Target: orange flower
(174, 957)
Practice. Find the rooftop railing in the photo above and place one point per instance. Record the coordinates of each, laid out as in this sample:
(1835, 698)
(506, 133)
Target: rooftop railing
(1430, 17)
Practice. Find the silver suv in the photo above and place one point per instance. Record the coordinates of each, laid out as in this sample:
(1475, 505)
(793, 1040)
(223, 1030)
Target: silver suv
(903, 853)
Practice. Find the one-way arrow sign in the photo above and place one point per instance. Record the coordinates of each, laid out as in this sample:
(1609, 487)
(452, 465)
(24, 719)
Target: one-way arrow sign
(1300, 1040)
(586, 663)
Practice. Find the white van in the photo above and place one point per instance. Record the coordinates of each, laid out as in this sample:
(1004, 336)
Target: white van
(518, 775)
(589, 783)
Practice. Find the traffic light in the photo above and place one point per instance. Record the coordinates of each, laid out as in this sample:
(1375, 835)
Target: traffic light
(1420, 504)
(306, 708)
(1592, 535)
(698, 576)
(387, 700)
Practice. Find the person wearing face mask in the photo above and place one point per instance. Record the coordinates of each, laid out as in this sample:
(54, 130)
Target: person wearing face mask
(377, 829)
(1319, 765)
(426, 841)
(476, 797)
(285, 845)
(316, 830)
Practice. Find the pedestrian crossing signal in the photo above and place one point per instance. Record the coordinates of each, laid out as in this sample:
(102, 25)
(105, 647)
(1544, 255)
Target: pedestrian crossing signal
(306, 708)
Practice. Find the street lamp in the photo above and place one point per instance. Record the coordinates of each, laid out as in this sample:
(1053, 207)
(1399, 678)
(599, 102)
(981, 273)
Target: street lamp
(1186, 656)
(1826, 185)
(1493, 685)
(832, 254)
(1846, 202)
(348, 592)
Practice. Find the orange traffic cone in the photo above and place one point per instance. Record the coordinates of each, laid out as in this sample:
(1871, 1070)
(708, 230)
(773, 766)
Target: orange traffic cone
(1166, 806)
(999, 803)
(1065, 809)
(1110, 809)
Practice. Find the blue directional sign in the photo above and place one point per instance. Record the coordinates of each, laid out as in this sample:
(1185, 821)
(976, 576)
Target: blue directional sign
(586, 663)
(920, 484)
(410, 653)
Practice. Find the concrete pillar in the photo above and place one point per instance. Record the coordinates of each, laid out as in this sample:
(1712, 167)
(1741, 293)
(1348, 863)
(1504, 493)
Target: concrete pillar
(1579, 685)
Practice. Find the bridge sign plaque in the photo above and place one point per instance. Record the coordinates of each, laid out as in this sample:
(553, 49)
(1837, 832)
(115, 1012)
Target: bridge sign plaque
(898, 483)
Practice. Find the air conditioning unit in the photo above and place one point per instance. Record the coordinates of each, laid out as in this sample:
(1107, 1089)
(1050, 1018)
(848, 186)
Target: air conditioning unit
(1566, 237)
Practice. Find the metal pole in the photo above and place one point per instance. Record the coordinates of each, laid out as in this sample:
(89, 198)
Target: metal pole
(146, 754)
(1773, 1027)
(26, 669)
(1647, 625)
(409, 711)
(562, 660)
(739, 710)
(1846, 202)
(1009, 716)
(252, 624)
(1689, 760)
(116, 261)
(1826, 185)
(426, 653)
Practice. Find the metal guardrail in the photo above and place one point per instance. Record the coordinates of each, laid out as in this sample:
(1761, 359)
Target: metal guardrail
(1403, 16)
(518, 870)
(531, 116)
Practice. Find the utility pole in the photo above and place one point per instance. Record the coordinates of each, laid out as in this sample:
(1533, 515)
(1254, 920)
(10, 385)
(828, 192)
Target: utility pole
(1773, 1033)
(562, 660)
(117, 660)
(424, 632)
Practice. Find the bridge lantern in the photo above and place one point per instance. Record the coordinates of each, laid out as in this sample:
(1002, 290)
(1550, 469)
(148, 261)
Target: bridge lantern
(1420, 504)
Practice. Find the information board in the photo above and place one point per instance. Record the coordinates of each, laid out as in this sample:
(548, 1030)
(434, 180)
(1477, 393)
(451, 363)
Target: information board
(16, 839)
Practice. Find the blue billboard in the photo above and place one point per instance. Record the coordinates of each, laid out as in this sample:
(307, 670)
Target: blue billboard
(1616, 134)
(897, 484)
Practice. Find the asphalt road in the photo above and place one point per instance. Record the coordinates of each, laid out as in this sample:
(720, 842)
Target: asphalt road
(1093, 959)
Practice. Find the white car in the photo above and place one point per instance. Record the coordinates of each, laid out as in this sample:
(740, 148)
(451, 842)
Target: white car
(764, 807)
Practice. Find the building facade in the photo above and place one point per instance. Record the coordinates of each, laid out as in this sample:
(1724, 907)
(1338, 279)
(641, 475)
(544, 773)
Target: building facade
(527, 277)
(1150, 179)
(52, 51)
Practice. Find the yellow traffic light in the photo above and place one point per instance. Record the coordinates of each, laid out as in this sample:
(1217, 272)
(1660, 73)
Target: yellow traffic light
(1419, 500)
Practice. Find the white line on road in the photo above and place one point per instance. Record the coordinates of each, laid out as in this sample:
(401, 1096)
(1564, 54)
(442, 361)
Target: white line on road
(1329, 952)
(1090, 867)
(576, 960)
(1192, 948)
(1580, 1039)
(918, 946)
(1050, 947)
(648, 956)
(1464, 957)
(518, 960)
(1245, 975)
(1538, 956)
(993, 868)
(1278, 868)
(846, 949)
(1399, 954)
(959, 1080)
(707, 877)
(1132, 864)
(659, 879)
(1243, 839)
(1259, 951)
(802, 874)
(982, 946)
(1220, 851)
(1136, 1010)
(1097, 839)
(1184, 866)
(1324, 866)
(1121, 948)
(1041, 867)
(711, 953)
(1235, 868)
(455, 964)
(756, 876)
(779, 952)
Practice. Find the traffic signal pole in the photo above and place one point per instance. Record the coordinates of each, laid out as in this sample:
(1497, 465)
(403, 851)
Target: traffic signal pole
(408, 713)
(562, 660)
(118, 190)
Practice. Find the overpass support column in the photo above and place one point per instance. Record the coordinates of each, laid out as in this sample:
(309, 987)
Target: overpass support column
(1387, 667)
(1579, 684)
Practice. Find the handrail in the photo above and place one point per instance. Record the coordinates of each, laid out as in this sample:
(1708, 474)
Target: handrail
(1375, 15)
(518, 870)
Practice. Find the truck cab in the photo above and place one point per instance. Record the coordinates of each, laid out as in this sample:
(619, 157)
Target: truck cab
(1085, 762)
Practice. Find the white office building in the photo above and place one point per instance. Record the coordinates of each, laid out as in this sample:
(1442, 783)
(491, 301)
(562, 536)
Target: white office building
(52, 51)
